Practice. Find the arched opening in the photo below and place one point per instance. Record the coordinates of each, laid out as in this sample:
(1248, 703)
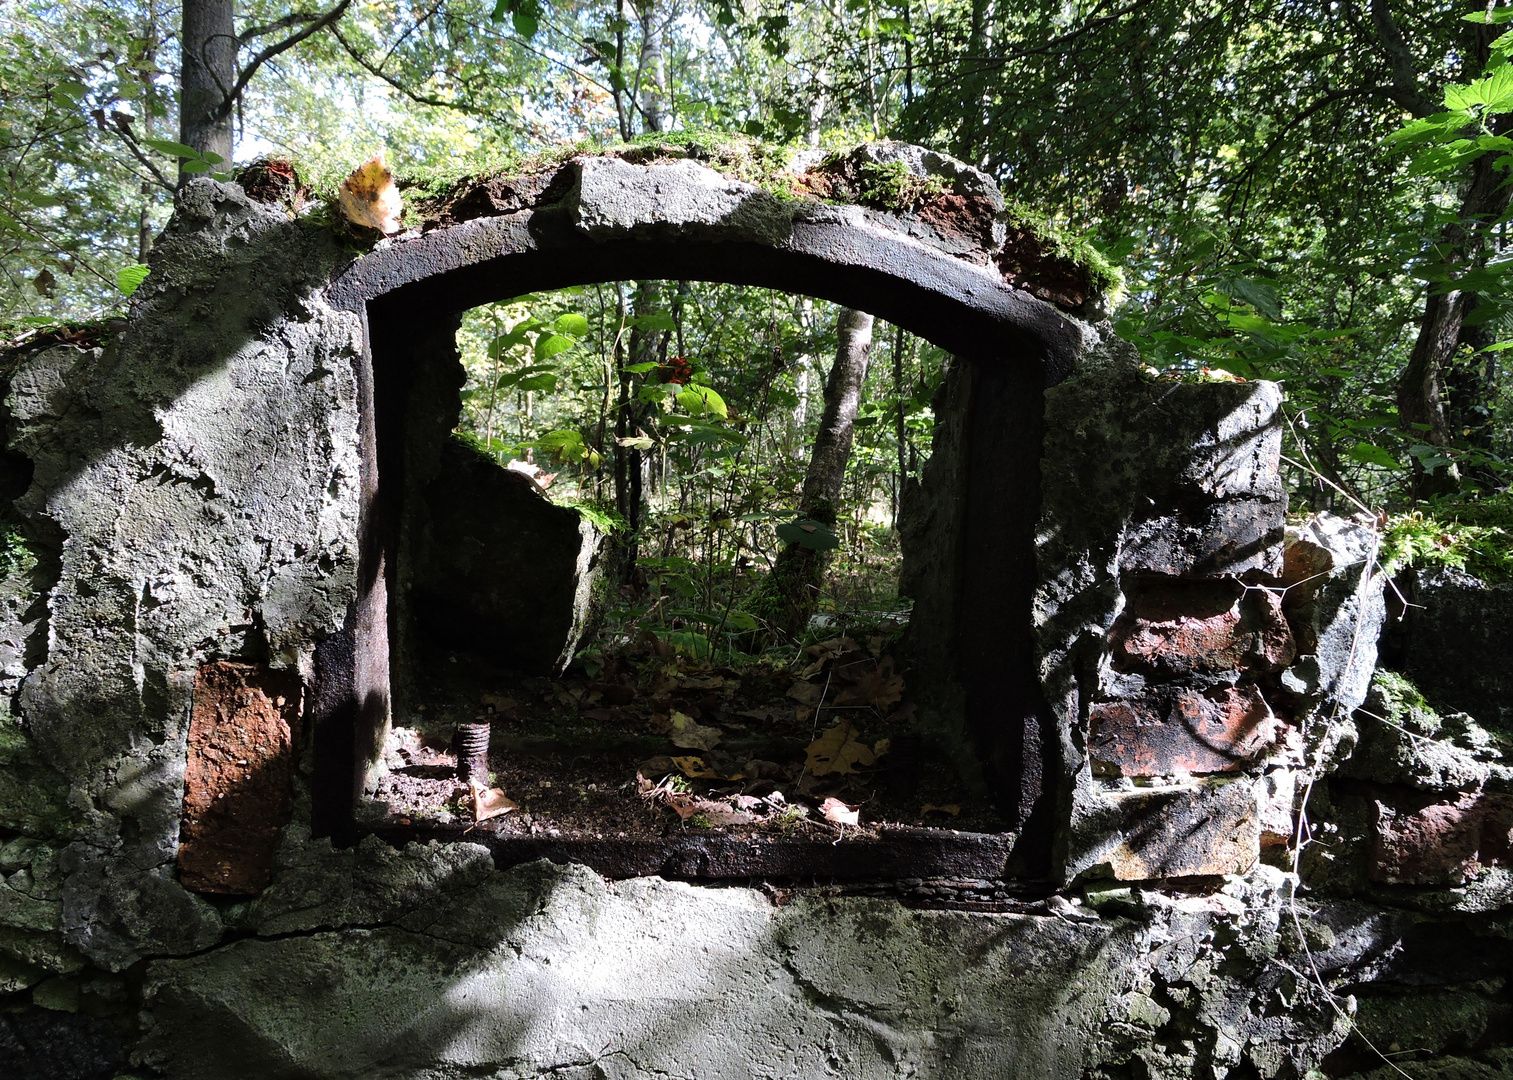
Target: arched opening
(412, 297)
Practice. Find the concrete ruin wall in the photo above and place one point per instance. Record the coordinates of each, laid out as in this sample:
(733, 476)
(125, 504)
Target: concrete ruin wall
(187, 552)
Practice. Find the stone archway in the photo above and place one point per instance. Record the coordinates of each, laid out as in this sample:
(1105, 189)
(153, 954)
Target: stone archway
(936, 263)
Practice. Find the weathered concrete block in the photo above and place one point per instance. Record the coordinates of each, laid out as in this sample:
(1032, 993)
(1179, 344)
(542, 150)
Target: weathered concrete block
(1334, 604)
(500, 570)
(1171, 832)
(1456, 623)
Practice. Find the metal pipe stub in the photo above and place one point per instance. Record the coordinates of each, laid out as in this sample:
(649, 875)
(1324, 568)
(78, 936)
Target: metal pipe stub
(471, 744)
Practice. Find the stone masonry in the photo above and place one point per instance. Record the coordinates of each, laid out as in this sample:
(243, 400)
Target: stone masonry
(1164, 681)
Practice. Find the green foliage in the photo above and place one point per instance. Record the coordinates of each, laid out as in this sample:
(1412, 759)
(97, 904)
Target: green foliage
(1476, 537)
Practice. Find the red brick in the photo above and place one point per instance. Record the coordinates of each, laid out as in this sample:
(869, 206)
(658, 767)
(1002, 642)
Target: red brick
(1439, 841)
(1178, 627)
(239, 779)
(1169, 730)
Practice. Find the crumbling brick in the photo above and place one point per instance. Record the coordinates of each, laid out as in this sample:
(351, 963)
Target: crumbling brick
(238, 783)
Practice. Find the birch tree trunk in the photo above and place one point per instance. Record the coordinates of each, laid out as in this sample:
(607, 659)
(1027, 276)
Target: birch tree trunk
(793, 586)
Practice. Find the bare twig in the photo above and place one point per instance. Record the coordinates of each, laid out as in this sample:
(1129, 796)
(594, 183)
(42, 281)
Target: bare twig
(320, 23)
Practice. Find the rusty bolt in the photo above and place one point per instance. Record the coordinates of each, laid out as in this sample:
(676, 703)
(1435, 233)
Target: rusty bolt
(471, 744)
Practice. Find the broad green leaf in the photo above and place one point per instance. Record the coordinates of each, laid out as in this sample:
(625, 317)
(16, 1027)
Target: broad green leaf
(808, 533)
(639, 369)
(577, 325)
(130, 278)
(637, 442)
(70, 90)
(193, 167)
(655, 320)
(701, 399)
(1370, 454)
(172, 149)
(552, 344)
(544, 383)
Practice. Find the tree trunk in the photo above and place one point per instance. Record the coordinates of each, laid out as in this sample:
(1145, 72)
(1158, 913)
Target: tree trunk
(208, 71)
(653, 86)
(794, 584)
(1424, 398)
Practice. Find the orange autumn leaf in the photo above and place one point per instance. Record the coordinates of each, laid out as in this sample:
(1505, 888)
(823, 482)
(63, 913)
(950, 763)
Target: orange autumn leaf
(369, 198)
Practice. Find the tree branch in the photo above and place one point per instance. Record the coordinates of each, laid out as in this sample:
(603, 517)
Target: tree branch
(1405, 90)
(378, 73)
(123, 128)
(281, 24)
(328, 19)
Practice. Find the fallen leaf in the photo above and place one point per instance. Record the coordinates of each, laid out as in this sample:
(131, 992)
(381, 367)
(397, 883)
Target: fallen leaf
(806, 693)
(931, 808)
(498, 701)
(838, 812)
(691, 735)
(707, 682)
(369, 198)
(490, 802)
(695, 768)
(879, 687)
(838, 749)
(603, 716)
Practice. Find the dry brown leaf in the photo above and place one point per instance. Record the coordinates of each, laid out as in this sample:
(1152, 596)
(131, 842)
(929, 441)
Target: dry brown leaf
(706, 682)
(838, 749)
(931, 808)
(369, 198)
(838, 812)
(696, 768)
(807, 693)
(490, 802)
(879, 687)
(691, 735)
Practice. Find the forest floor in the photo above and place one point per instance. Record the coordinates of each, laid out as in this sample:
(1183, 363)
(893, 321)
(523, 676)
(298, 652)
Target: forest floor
(644, 743)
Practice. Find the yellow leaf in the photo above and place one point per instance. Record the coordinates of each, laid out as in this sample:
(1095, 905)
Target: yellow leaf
(369, 198)
(837, 750)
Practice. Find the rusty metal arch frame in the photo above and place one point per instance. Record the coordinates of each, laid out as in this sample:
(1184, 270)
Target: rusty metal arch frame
(1019, 345)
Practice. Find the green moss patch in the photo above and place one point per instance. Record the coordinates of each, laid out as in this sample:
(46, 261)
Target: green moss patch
(1475, 536)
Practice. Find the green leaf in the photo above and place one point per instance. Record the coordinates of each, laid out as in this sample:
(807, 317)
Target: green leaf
(544, 383)
(639, 369)
(193, 167)
(637, 442)
(577, 325)
(698, 400)
(548, 345)
(656, 320)
(130, 278)
(1370, 454)
(808, 533)
(70, 90)
(172, 149)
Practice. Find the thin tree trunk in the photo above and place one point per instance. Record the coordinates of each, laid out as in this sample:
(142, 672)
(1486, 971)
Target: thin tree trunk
(794, 583)
(654, 73)
(208, 71)
(1424, 404)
